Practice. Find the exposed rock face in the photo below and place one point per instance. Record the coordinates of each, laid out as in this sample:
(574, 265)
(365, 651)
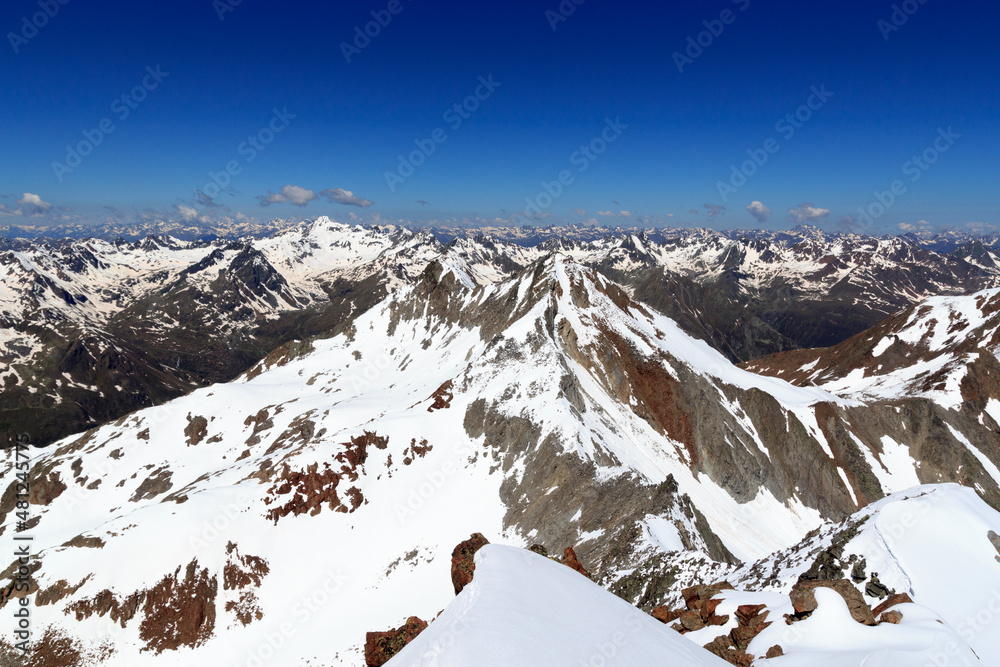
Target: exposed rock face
(804, 600)
(380, 647)
(569, 559)
(179, 612)
(44, 489)
(463, 564)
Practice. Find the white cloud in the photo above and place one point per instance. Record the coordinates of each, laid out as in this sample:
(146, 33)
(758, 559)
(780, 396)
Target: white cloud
(807, 213)
(580, 211)
(345, 197)
(33, 205)
(290, 194)
(919, 226)
(188, 214)
(605, 214)
(758, 211)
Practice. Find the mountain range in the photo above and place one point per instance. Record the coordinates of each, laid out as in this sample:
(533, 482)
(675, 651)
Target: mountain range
(296, 431)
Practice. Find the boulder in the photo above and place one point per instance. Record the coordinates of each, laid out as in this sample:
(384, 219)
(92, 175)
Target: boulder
(569, 559)
(691, 621)
(746, 612)
(463, 563)
(804, 599)
(665, 614)
(775, 652)
(380, 647)
(723, 647)
(891, 616)
(742, 635)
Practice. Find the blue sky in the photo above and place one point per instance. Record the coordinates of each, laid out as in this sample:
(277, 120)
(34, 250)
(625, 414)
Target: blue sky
(206, 83)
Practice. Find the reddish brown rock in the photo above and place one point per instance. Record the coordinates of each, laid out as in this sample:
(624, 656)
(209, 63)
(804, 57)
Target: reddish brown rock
(891, 601)
(694, 596)
(708, 608)
(804, 599)
(691, 621)
(569, 559)
(891, 616)
(775, 652)
(380, 647)
(742, 635)
(718, 620)
(746, 612)
(463, 563)
(665, 614)
(723, 647)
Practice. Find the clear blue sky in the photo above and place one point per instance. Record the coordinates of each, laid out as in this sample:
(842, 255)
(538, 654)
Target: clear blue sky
(557, 89)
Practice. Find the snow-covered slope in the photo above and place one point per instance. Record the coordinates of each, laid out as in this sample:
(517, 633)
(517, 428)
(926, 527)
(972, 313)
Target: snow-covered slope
(936, 543)
(548, 408)
(523, 609)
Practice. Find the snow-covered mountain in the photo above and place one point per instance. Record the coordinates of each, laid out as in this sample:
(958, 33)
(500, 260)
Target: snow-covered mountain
(318, 496)
(92, 329)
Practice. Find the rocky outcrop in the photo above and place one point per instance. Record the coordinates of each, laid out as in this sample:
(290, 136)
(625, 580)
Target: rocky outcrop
(752, 620)
(891, 601)
(463, 563)
(570, 560)
(380, 647)
(804, 599)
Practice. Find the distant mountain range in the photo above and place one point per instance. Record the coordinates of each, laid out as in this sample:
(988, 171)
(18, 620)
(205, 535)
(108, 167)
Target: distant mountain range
(93, 329)
(431, 391)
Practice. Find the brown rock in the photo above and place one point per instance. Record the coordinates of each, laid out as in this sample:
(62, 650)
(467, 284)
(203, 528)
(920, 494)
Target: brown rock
(746, 612)
(720, 645)
(775, 652)
(718, 620)
(891, 616)
(569, 559)
(723, 647)
(804, 599)
(665, 614)
(539, 549)
(708, 608)
(463, 563)
(380, 647)
(696, 595)
(892, 601)
(690, 595)
(691, 621)
(744, 634)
